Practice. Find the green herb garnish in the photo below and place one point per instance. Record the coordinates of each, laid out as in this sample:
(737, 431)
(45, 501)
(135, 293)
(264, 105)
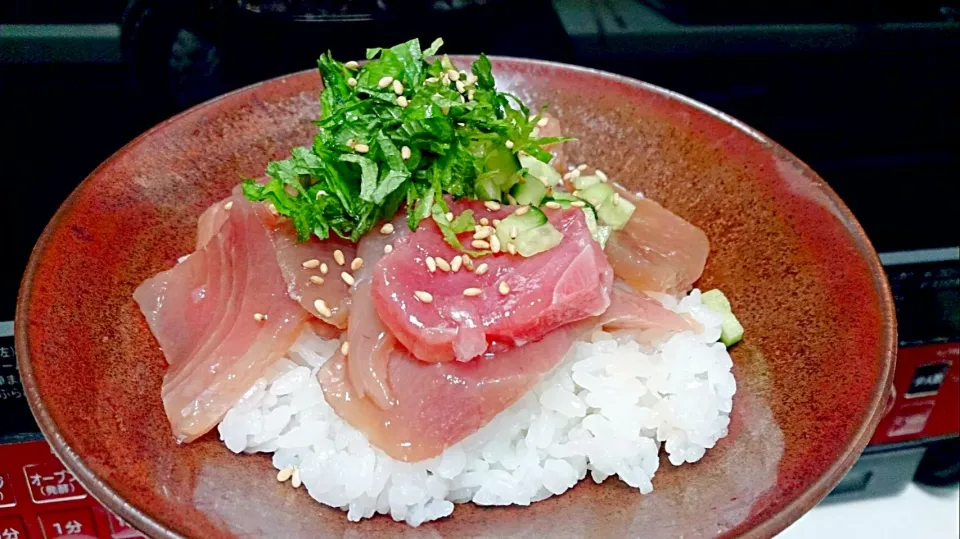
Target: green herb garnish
(372, 154)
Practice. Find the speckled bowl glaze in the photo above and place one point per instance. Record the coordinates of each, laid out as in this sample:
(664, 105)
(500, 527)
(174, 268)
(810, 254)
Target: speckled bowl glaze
(811, 372)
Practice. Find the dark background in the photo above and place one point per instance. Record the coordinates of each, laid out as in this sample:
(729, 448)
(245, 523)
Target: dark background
(865, 92)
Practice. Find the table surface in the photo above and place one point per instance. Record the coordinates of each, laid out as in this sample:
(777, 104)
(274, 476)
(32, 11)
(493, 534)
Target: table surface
(917, 512)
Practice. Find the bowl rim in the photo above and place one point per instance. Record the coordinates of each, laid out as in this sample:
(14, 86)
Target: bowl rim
(779, 521)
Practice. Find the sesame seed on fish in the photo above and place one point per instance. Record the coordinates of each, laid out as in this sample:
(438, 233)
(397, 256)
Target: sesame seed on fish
(472, 292)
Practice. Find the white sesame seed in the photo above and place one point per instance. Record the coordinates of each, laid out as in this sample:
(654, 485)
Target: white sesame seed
(338, 256)
(482, 268)
(323, 268)
(442, 264)
(513, 233)
(578, 204)
(345, 348)
(425, 297)
(472, 292)
(576, 193)
(351, 143)
(504, 288)
(484, 221)
(449, 216)
(492, 205)
(310, 264)
(347, 278)
(483, 233)
(601, 174)
(445, 79)
(521, 210)
(460, 87)
(543, 122)
(228, 205)
(511, 248)
(387, 229)
(467, 262)
(397, 87)
(431, 264)
(509, 144)
(259, 317)
(356, 264)
(455, 264)
(361, 148)
(385, 81)
(402, 101)
(581, 167)
(387, 249)
(351, 65)
(453, 74)
(296, 482)
(316, 279)
(495, 243)
(351, 81)
(616, 199)
(322, 308)
(284, 474)
(511, 200)
(405, 152)
(480, 244)
(431, 80)
(553, 205)
(471, 79)
(470, 95)
(272, 209)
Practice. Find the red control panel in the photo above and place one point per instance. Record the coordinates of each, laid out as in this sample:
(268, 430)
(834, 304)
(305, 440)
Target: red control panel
(41, 499)
(927, 404)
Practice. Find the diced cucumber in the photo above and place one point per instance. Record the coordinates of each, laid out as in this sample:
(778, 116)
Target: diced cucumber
(601, 235)
(486, 190)
(597, 193)
(564, 199)
(583, 182)
(537, 240)
(532, 219)
(716, 301)
(731, 331)
(529, 192)
(616, 213)
(504, 163)
(538, 169)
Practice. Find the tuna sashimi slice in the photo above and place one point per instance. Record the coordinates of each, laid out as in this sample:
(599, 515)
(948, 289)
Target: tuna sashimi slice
(435, 405)
(222, 318)
(657, 250)
(302, 264)
(570, 282)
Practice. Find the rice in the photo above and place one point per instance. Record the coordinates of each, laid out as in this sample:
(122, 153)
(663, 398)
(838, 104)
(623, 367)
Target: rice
(607, 410)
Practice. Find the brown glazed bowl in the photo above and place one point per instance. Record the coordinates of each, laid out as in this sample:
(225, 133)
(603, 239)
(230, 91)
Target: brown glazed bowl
(812, 371)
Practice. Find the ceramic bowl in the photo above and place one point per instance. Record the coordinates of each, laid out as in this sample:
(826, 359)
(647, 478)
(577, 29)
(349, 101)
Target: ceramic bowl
(812, 371)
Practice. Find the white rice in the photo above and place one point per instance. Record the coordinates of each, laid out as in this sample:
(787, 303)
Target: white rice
(607, 410)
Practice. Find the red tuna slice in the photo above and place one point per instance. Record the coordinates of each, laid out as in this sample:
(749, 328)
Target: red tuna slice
(436, 405)
(371, 343)
(567, 283)
(222, 318)
(302, 264)
(657, 251)
(644, 318)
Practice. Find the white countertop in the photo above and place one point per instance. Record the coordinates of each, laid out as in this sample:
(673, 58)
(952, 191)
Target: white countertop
(917, 513)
